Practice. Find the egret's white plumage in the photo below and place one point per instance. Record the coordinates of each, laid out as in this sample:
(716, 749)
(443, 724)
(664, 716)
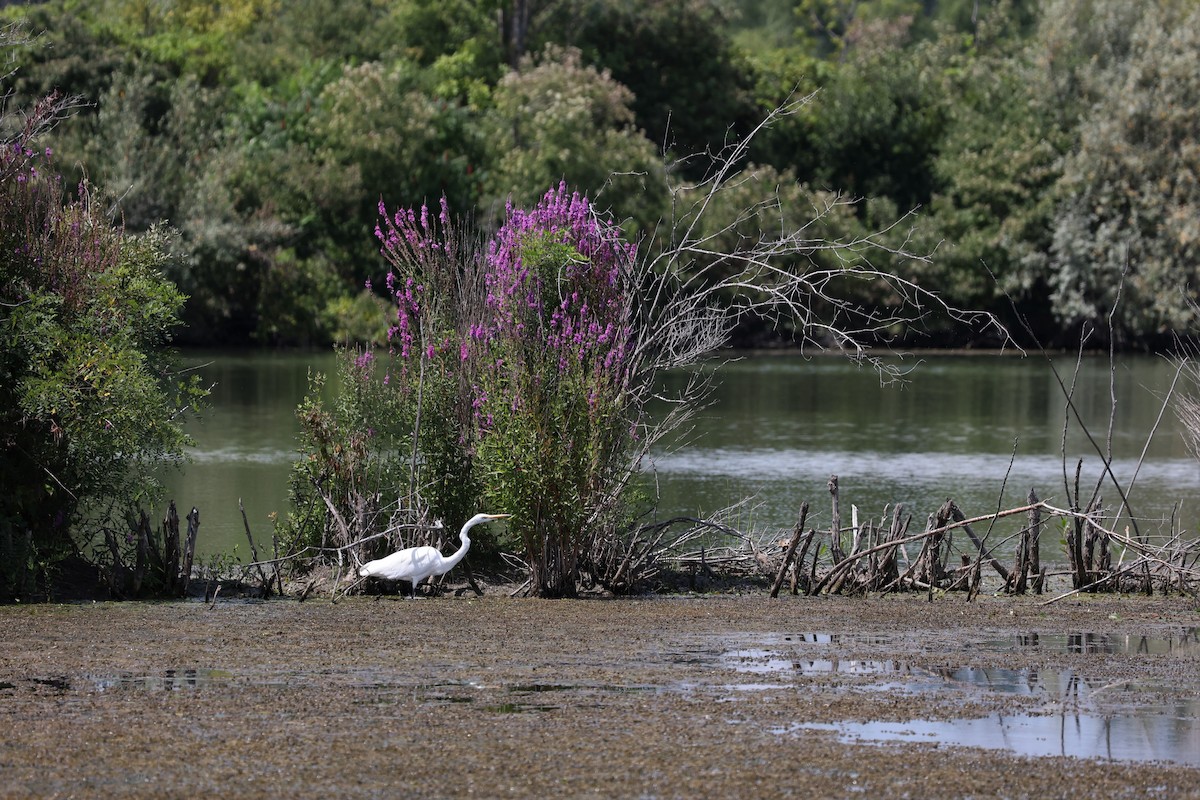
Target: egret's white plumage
(415, 564)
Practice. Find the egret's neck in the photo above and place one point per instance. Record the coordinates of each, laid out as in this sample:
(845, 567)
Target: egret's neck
(461, 552)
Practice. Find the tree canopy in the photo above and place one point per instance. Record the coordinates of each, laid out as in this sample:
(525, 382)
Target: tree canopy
(1044, 151)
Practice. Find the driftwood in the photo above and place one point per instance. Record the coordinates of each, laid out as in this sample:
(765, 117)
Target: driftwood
(1027, 559)
(874, 561)
(957, 516)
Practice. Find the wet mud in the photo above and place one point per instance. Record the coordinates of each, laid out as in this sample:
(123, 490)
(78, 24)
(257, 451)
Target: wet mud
(685, 696)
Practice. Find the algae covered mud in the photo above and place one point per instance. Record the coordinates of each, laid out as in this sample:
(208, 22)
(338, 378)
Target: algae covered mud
(713, 696)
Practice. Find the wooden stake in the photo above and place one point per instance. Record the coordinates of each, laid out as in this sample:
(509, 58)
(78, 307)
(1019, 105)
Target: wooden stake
(171, 550)
(791, 551)
(189, 550)
(1035, 534)
(835, 532)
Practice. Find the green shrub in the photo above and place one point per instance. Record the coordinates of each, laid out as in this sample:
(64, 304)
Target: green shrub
(88, 405)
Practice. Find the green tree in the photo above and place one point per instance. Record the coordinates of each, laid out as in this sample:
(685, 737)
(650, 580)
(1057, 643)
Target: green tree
(835, 27)
(1058, 164)
(169, 158)
(691, 88)
(556, 119)
(68, 55)
(1130, 200)
(88, 407)
(430, 30)
(296, 36)
(997, 168)
(404, 140)
(877, 128)
(191, 37)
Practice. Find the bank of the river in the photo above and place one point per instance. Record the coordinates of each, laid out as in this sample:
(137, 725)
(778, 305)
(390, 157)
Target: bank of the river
(498, 697)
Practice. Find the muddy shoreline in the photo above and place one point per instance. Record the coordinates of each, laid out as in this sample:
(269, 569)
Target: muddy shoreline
(680, 696)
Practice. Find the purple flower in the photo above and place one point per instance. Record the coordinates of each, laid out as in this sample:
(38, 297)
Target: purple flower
(553, 316)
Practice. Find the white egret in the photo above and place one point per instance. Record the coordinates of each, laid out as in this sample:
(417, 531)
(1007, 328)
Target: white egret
(415, 564)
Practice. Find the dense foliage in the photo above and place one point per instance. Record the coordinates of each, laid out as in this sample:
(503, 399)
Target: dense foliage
(1047, 148)
(553, 410)
(88, 408)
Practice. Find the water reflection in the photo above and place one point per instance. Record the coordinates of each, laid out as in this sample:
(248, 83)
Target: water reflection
(1081, 642)
(1169, 733)
(170, 680)
(1097, 643)
(762, 662)
(1061, 686)
(1068, 725)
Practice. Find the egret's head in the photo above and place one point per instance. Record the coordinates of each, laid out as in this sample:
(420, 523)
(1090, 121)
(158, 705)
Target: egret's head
(481, 518)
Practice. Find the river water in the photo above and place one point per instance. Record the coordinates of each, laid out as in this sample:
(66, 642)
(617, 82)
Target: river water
(982, 429)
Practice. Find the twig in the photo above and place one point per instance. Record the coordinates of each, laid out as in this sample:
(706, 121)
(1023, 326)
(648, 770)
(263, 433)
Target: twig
(957, 516)
(1095, 583)
(307, 590)
(262, 575)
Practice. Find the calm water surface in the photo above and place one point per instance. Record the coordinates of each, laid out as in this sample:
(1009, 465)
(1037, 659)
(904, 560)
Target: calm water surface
(961, 427)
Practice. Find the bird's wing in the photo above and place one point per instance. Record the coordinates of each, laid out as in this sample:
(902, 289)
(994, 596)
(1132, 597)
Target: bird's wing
(425, 560)
(398, 566)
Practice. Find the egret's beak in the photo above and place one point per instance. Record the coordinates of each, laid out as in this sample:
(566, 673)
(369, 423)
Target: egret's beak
(498, 516)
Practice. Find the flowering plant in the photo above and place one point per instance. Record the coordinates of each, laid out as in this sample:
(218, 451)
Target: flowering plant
(516, 359)
(551, 406)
